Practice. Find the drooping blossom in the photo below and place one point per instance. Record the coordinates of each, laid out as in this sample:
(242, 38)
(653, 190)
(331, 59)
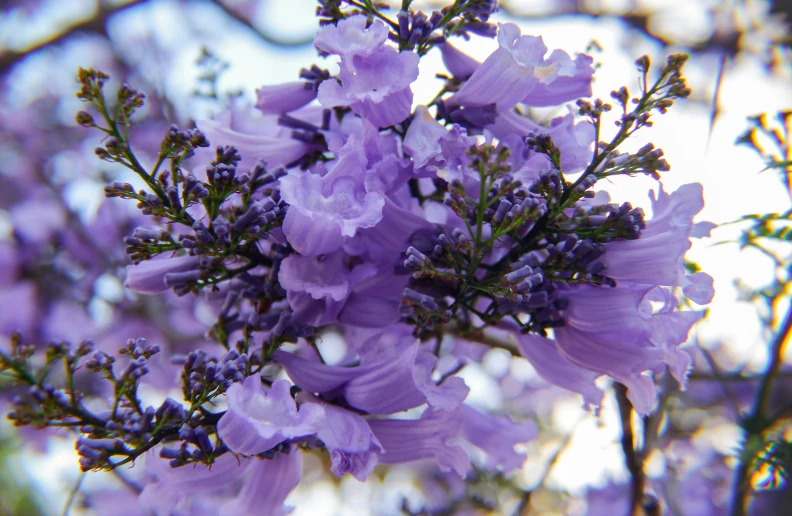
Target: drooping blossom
(519, 72)
(386, 384)
(657, 258)
(259, 419)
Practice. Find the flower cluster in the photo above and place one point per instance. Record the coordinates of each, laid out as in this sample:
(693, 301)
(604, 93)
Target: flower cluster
(333, 205)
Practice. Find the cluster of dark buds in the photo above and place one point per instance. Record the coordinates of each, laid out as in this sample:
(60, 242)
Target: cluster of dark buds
(549, 239)
(415, 30)
(108, 438)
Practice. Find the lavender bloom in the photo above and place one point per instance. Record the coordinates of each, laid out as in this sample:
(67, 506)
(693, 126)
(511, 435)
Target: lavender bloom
(267, 488)
(391, 235)
(514, 70)
(352, 446)
(497, 437)
(573, 138)
(431, 145)
(351, 37)
(174, 486)
(325, 211)
(283, 98)
(551, 365)
(457, 62)
(375, 302)
(572, 82)
(422, 141)
(317, 289)
(257, 419)
(615, 331)
(374, 79)
(37, 221)
(148, 277)
(382, 384)
(408, 440)
(9, 263)
(256, 137)
(657, 257)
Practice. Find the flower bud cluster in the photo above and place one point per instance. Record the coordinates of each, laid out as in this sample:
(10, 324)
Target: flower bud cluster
(202, 450)
(146, 243)
(647, 160)
(94, 453)
(202, 376)
(610, 221)
(182, 142)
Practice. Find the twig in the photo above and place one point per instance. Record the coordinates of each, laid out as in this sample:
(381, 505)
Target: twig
(97, 24)
(632, 458)
(73, 495)
(267, 38)
(523, 509)
(716, 374)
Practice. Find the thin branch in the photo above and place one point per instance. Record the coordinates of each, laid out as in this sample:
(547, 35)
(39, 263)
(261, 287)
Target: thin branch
(524, 506)
(776, 361)
(73, 495)
(95, 24)
(98, 24)
(267, 38)
(734, 377)
(632, 458)
(715, 110)
(716, 373)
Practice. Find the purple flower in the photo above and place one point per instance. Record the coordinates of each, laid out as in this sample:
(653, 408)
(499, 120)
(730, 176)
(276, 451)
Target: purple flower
(352, 446)
(496, 436)
(431, 145)
(551, 365)
(148, 277)
(9, 263)
(457, 62)
(657, 257)
(174, 486)
(407, 440)
(20, 308)
(352, 36)
(283, 98)
(616, 331)
(325, 211)
(573, 138)
(318, 287)
(517, 68)
(422, 141)
(255, 136)
(257, 419)
(390, 382)
(37, 221)
(375, 301)
(374, 79)
(572, 81)
(268, 487)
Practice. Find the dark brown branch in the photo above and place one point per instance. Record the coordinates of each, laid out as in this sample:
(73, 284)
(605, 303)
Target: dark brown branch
(95, 24)
(632, 457)
(267, 38)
